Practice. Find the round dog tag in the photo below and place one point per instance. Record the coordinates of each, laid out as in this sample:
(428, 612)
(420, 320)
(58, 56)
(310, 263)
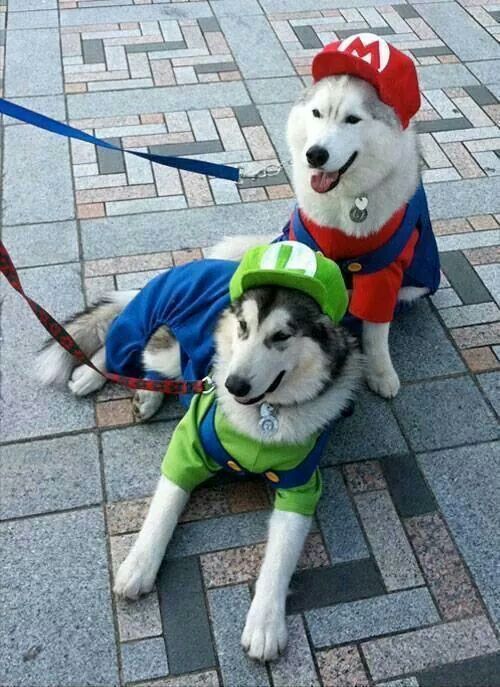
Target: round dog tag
(268, 423)
(359, 212)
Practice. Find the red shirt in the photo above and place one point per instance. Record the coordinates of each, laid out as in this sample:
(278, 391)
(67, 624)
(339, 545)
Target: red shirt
(374, 296)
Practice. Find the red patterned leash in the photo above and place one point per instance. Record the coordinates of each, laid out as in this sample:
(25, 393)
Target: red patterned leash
(57, 332)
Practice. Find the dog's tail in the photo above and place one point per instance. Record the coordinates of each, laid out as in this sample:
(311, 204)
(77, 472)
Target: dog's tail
(89, 328)
(234, 247)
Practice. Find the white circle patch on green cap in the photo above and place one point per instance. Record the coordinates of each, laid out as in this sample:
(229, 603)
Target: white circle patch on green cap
(279, 256)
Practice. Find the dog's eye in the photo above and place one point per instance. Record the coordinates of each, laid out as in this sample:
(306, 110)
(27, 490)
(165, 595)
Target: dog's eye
(243, 326)
(352, 119)
(316, 113)
(280, 336)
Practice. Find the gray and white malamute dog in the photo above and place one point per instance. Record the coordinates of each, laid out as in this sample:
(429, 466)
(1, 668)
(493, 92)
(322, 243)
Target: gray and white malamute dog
(268, 333)
(348, 146)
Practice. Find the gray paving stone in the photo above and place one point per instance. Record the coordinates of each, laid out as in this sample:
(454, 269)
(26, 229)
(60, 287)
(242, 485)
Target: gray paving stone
(110, 161)
(37, 177)
(406, 11)
(144, 660)
(33, 63)
(194, 538)
(464, 315)
(404, 682)
(282, 89)
(379, 615)
(249, 39)
(445, 298)
(460, 31)
(390, 546)
(208, 24)
(463, 198)
(490, 275)
(194, 227)
(132, 459)
(139, 618)
(305, 5)
(420, 348)
(93, 51)
(371, 432)
(381, 31)
(481, 95)
(196, 148)
(155, 47)
(49, 475)
(49, 105)
(174, 98)
(42, 19)
(228, 609)
(131, 13)
(185, 616)
(42, 244)
(445, 76)
(57, 616)
(247, 115)
(486, 71)
(223, 8)
(466, 482)
(474, 672)
(452, 124)
(436, 645)
(408, 489)
(274, 117)
(463, 415)
(296, 665)
(23, 5)
(26, 408)
(342, 534)
(317, 587)
(427, 52)
(215, 67)
(490, 384)
(308, 37)
(473, 239)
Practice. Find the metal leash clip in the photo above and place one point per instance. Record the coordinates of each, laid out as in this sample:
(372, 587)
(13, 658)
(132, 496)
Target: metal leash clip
(270, 170)
(208, 385)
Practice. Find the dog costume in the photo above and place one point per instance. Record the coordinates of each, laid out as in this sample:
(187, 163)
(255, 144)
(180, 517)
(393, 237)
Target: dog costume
(189, 300)
(404, 251)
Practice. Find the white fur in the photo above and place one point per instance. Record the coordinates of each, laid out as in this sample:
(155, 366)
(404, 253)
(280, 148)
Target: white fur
(385, 171)
(137, 573)
(265, 634)
(85, 380)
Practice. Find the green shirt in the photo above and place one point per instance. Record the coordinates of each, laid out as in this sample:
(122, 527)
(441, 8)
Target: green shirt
(187, 465)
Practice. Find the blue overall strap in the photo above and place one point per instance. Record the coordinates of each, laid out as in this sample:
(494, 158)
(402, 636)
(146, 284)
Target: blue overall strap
(302, 473)
(213, 446)
(387, 254)
(23, 114)
(300, 233)
(280, 479)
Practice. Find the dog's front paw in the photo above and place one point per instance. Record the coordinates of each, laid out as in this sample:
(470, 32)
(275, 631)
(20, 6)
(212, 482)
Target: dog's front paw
(265, 634)
(85, 380)
(385, 384)
(146, 403)
(135, 576)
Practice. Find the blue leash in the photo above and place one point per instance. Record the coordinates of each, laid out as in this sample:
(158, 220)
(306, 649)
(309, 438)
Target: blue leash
(23, 114)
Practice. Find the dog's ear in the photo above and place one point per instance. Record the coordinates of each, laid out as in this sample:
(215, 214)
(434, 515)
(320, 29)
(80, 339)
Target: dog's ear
(335, 341)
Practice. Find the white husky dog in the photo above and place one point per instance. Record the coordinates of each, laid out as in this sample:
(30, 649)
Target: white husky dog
(347, 144)
(276, 349)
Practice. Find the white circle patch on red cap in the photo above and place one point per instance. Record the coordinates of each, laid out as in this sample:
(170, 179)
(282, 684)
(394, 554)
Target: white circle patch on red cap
(368, 47)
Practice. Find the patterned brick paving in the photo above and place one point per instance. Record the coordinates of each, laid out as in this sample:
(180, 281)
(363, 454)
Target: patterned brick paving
(398, 582)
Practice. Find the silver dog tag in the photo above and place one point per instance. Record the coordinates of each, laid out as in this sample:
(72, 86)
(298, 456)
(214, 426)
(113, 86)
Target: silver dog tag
(358, 212)
(268, 422)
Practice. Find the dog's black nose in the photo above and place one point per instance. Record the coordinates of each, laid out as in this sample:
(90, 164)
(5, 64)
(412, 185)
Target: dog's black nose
(317, 156)
(238, 386)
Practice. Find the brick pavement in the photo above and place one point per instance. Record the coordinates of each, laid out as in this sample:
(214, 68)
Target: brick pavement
(398, 584)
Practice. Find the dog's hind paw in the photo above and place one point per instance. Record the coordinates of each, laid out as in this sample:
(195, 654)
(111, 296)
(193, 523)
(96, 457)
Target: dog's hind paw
(85, 380)
(265, 635)
(385, 384)
(135, 576)
(146, 403)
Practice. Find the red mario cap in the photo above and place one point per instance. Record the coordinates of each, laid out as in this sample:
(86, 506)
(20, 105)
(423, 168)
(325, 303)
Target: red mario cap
(370, 57)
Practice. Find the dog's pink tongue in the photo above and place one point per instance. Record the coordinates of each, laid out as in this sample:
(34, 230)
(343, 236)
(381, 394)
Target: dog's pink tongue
(322, 181)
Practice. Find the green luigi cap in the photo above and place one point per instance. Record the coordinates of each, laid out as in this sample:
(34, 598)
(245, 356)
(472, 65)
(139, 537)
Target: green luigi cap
(295, 266)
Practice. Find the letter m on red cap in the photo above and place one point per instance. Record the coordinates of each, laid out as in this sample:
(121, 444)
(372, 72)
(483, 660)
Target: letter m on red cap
(368, 47)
